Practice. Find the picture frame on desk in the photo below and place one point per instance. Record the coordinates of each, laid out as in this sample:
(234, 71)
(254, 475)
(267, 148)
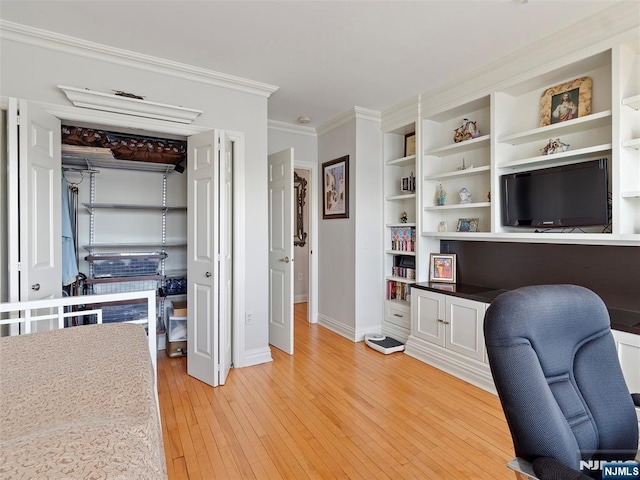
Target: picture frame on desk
(566, 101)
(442, 267)
(468, 225)
(335, 188)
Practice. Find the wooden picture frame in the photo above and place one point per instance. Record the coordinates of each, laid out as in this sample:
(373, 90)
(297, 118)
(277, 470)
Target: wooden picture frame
(335, 188)
(442, 267)
(410, 144)
(566, 101)
(468, 224)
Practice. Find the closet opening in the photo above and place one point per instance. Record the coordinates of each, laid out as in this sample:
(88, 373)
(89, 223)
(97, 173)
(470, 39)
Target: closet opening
(127, 217)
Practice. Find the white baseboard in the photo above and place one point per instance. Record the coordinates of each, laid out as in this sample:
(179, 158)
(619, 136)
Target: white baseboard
(302, 298)
(337, 327)
(467, 369)
(256, 357)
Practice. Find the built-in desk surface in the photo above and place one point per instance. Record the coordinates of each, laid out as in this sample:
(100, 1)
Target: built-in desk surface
(624, 320)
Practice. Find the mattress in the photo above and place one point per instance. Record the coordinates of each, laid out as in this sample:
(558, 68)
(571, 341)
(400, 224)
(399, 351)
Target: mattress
(79, 403)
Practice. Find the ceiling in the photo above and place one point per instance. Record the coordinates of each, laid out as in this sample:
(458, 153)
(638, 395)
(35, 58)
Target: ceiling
(325, 56)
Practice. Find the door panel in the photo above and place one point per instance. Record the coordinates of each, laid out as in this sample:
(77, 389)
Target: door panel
(429, 312)
(464, 331)
(202, 264)
(35, 254)
(226, 257)
(281, 250)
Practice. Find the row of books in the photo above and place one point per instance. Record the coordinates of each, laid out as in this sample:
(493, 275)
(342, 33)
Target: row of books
(404, 272)
(402, 238)
(398, 291)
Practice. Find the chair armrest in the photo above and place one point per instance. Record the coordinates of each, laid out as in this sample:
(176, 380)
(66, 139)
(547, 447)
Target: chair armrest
(522, 469)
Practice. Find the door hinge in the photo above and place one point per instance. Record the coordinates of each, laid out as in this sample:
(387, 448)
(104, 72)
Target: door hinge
(219, 257)
(19, 267)
(218, 368)
(18, 119)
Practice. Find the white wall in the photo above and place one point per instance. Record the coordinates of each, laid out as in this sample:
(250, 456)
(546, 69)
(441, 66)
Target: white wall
(33, 72)
(351, 293)
(336, 240)
(369, 244)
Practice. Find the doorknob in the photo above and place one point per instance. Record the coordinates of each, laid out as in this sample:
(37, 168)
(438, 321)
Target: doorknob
(285, 259)
(208, 274)
(35, 286)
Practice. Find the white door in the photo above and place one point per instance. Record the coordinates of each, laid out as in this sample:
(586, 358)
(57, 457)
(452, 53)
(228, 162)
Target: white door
(281, 250)
(202, 263)
(34, 203)
(226, 256)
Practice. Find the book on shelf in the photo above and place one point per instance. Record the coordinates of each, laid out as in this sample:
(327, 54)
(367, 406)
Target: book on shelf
(398, 291)
(402, 239)
(404, 272)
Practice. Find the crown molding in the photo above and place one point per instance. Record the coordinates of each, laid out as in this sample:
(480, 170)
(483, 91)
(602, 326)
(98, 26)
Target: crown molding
(355, 113)
(291, 128)
(63, 43)
(587, 37)
(400, 115)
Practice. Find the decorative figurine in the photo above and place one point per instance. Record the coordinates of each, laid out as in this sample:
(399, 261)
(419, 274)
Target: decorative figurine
(465, 195)
(466, 131)
(554, 146)
(464, 167)
(403, 217)
(441, 195)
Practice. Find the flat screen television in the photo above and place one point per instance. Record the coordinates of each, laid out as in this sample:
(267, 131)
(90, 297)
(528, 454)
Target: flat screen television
(573, 195)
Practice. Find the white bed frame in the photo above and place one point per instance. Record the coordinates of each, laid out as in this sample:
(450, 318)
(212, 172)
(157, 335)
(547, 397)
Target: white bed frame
(21, 313)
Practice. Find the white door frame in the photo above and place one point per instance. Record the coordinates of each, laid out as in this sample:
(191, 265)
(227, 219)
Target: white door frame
(312, 301)
(115, 120)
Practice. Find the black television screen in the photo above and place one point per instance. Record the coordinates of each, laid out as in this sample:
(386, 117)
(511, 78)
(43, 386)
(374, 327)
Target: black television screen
(573, 195)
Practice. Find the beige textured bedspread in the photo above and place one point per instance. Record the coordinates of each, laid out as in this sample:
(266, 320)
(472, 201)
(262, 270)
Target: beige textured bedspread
(79, 403)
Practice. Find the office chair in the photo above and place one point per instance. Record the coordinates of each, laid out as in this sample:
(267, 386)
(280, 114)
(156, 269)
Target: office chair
(556, 370)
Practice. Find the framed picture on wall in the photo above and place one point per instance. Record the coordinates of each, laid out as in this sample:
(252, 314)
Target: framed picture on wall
(442, 267)
(566, 101)
(335, 188)
(410, 144)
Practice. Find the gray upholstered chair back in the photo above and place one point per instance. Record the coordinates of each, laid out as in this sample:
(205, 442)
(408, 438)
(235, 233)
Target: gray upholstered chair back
(554, 363)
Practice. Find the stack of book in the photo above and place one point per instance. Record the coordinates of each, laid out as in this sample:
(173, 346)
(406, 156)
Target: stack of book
(402, 239)
(398, 291)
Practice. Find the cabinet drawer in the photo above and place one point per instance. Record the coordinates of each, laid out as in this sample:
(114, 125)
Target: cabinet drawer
(398, 316)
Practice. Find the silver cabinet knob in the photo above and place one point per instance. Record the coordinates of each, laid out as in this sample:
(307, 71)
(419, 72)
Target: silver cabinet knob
(208, 274)
(35, 286)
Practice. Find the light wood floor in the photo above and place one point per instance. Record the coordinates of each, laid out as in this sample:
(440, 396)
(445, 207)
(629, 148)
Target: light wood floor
(334, 409)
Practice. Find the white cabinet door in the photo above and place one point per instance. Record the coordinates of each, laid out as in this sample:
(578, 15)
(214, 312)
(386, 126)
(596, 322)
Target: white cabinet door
(464, 322)
(628, 346)
(428, 316)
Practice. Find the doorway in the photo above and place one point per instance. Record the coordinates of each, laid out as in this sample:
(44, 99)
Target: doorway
(310, 172)
(238, 238)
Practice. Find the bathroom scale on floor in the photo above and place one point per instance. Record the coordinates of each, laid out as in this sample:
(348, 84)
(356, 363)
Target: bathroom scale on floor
(383, 344)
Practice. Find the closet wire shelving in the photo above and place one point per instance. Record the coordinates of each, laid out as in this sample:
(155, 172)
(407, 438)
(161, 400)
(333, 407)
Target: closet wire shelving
(125, 267)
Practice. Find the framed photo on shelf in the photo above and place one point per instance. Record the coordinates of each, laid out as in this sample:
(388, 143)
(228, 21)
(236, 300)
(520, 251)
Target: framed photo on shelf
(335, 188)
(566, 101)
(410, 144)
(468, 225)
(442, 267)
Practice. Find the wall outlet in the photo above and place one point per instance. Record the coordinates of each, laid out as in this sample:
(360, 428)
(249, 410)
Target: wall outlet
(249, 319)
(300, 276)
